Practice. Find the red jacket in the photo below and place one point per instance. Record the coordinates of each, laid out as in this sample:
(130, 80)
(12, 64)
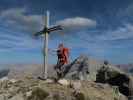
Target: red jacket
(63, 55)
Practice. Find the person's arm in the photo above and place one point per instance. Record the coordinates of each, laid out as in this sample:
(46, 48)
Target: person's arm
(52, 51)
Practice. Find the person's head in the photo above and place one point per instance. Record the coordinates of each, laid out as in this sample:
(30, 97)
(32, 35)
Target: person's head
(61, 45)
(106, 62)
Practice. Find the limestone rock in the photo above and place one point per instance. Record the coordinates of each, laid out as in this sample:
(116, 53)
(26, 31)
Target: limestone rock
(27, 90)
(64, 82)
(82, 68)
(17, 97)
(76, 85)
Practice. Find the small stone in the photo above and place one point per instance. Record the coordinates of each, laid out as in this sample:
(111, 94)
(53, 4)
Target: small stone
(17, 97)
(76, 85)
(49, 81)
(63, 82)
(2, 97)
(13, 80)
(29, 93)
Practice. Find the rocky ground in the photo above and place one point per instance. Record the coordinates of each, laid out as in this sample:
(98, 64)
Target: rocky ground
(35, 89)
(95, 82)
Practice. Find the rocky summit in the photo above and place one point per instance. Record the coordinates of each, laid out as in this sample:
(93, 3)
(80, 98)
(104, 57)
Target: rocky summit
(83, 79)
(35, 89)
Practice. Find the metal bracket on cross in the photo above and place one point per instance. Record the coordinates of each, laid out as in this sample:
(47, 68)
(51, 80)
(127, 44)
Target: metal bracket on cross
(48, 30)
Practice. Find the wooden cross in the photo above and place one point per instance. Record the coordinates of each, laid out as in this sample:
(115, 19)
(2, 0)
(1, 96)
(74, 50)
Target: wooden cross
(46, 31)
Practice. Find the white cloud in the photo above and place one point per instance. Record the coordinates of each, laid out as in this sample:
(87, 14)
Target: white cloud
(32, 23)
(76, 23)
(124, 32)
(17, 18)
(11, 42)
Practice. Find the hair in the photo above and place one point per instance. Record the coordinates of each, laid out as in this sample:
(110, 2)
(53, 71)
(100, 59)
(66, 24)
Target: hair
(106, 62)
(61, 45)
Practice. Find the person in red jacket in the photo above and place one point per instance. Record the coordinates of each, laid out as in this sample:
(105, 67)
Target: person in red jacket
(63, 57)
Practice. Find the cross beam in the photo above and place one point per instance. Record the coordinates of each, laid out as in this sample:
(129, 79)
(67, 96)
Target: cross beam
(46, 31)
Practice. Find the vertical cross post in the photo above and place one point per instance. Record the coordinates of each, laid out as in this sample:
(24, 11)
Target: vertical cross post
(46, 46)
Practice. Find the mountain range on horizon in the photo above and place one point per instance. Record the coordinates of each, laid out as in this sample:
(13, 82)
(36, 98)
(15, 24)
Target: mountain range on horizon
(126, 67)
(20, 68)
(36, 69)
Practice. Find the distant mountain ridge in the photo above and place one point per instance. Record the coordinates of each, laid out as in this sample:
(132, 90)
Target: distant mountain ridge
(89, 65)
(128, 68)
(22, 70)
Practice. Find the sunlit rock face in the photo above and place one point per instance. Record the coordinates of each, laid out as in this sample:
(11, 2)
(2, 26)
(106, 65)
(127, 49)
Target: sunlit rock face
(82, 68)
(116, 77)
(85, 68)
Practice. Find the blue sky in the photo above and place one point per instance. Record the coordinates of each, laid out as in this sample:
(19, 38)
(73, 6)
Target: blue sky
(101, 29)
